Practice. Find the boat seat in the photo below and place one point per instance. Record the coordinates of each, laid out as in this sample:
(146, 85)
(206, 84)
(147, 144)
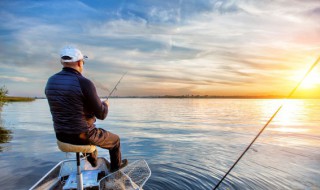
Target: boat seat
(66, 147)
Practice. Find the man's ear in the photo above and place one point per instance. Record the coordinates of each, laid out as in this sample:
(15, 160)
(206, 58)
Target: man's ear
(79, 63)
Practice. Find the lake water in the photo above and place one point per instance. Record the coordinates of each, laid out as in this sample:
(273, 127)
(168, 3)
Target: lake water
(188, 143)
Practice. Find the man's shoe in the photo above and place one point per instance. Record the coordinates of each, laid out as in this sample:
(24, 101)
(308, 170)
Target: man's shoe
(124, 163)
(93, 158)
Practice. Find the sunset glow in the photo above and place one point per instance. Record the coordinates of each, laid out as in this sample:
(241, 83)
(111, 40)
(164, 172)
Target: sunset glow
(215, 48)
(311, 81)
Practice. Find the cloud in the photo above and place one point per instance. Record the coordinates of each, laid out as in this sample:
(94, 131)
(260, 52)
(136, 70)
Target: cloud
(15, 79)
(173, 46)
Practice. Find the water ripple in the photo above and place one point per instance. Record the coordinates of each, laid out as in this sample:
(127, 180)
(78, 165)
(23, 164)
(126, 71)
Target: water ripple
(188, 143)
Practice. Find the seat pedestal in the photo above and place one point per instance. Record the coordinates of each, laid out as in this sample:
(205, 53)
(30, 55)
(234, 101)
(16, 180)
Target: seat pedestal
(66, 147)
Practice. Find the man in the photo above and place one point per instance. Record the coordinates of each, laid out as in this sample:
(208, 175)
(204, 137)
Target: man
(75, 105)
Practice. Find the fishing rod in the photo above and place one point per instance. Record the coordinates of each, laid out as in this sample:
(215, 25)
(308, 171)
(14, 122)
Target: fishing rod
(115, 87)
(271, 118)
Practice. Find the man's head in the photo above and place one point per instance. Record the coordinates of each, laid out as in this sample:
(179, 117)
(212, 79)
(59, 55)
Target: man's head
(73, 58)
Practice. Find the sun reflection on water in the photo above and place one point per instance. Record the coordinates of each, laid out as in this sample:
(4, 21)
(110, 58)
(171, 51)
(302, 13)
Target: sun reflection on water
(287, 119)
(290, 127)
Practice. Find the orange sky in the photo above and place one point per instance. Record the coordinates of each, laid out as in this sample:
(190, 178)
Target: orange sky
(228, 48)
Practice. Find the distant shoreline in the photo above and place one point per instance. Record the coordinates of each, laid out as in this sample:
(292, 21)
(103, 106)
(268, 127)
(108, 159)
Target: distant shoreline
(203, 97)
(215, 97)
(17, 99)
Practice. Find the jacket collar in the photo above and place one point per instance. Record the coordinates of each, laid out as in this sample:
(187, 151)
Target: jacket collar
(68, 69)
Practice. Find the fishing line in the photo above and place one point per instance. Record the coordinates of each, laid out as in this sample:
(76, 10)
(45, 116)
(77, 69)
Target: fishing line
(115, 87)
(271, 118)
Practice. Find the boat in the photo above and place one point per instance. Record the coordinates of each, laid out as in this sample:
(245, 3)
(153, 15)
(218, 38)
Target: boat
(79, 174)
(64, 176)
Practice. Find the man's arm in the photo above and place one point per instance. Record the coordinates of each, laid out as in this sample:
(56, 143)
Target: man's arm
(92, 100)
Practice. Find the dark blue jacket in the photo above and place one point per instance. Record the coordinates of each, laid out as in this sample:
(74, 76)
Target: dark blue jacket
(73, 100)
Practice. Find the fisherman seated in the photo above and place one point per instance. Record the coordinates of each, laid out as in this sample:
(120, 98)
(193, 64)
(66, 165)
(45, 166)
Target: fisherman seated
(75, 106)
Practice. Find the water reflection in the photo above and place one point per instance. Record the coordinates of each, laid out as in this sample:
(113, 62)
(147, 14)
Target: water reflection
(5, 134)
(188, 144)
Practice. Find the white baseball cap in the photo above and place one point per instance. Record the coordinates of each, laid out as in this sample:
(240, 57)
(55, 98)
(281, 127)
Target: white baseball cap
(71, 54)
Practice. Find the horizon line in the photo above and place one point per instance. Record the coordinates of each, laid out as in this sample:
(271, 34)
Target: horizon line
(203, 96)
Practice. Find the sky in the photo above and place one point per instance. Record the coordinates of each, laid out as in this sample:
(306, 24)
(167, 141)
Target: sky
(173, 47)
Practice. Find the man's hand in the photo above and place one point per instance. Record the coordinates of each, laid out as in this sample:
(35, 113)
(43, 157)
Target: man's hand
(106, 102)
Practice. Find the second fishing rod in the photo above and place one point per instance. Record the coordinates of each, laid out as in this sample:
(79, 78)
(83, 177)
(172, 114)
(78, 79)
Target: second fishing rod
(268, 122)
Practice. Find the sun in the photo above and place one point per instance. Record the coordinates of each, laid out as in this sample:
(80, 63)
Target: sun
(310, 86)
(311, 81)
